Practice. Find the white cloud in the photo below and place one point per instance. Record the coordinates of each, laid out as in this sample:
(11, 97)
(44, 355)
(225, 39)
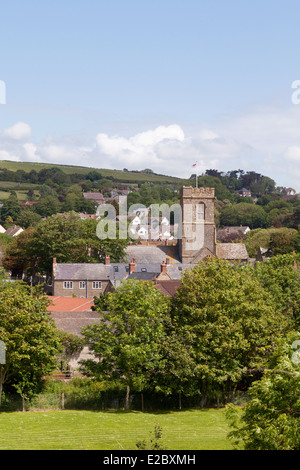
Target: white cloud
(5, 155)
(207, 134)
(293, 154)
(263, 140)
(19, 131)
(30, 152)
(141, 150)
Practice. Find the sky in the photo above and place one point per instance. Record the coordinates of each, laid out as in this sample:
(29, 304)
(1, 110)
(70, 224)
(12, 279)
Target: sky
(157, 84)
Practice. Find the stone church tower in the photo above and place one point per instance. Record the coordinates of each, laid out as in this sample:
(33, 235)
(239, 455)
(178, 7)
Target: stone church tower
(198, 237)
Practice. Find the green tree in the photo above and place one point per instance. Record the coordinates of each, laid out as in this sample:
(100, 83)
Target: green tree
(27, 218)
(99, 248)
(229, 320)
(271, 419)
(282, 243)
(243, 214)
(176, 371)
(59, 236)
(280, 276)
(29, 336)
(128, 338)
(16, 259)
(65, 237)
(11, 208)
(47, 206)
(261, 238)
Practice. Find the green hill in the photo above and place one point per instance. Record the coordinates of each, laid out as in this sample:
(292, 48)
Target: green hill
(116, 175)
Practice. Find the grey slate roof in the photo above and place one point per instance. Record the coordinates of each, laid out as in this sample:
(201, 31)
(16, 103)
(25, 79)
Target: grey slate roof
(143, 276)
(82, 271)
(152, 254)
(114, 272)
(231, 251)
(148, 263)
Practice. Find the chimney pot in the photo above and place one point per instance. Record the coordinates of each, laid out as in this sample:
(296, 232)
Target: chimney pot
(132, 266)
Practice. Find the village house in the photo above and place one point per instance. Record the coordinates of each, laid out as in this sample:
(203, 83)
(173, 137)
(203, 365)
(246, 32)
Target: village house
(14, 231)
(80, 279)
(244, 192)
(86, 280)
(96, 197)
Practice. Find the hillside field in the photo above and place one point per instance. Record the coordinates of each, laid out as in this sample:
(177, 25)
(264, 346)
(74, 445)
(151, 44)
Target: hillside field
(118, 175)
(112, 430)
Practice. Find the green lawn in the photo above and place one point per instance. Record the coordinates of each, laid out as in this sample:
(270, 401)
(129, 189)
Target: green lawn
(111, 430)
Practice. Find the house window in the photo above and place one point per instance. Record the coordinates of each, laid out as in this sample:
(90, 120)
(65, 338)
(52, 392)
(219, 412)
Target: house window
(68, 285)
(97, 284)
(81, 284)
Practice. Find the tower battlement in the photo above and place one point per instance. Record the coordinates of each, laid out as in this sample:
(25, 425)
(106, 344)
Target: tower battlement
(203, 193)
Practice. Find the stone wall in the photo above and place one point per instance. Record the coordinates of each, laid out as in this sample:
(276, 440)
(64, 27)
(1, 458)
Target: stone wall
(87, 291)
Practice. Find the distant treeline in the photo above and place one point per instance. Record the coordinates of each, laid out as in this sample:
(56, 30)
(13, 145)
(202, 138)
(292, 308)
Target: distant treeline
(235, 180)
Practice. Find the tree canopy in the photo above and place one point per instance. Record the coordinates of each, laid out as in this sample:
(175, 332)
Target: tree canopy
(29, 336)
(270, 419)
(65, 237)
(229, 319)
(128, 338)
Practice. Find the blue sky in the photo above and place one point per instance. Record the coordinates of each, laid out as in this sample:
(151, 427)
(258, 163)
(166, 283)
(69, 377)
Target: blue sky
(152, 84)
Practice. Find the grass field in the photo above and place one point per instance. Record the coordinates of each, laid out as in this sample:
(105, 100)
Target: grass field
(118, 175)
(112, 430)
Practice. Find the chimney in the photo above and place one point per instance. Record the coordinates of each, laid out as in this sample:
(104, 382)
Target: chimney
(167, 260)
(107, 260)
(132, 266)
(163, 268)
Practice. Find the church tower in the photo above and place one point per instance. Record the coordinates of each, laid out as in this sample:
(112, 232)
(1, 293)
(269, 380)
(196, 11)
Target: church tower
(198, 234)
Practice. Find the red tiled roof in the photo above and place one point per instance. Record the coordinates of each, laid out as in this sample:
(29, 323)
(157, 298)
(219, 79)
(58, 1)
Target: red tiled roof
(168, 288)
(69, 304)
